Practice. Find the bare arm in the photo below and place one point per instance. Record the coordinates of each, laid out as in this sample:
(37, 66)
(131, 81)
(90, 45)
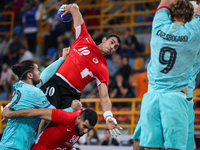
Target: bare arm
(28, 113)
(74, 10)
(105, 100)
(198, 10)
(106, 106)
(167, 3)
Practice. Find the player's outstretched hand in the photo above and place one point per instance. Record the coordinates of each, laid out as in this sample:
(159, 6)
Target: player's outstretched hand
(76, 105)
(113, 127)
(66, 52)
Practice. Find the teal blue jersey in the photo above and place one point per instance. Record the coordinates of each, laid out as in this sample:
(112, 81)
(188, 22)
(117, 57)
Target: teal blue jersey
(174, 49)
(192, 83)
(21, 133)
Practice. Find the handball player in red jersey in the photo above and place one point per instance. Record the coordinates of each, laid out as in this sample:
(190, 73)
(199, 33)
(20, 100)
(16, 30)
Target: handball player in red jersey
(85, 63)
(63, 131)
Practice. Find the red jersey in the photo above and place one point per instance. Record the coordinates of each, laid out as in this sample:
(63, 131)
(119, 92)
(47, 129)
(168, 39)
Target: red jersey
(60, 133)
(84, 63)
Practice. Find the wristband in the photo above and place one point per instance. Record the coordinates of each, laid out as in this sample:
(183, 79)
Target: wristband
(197, 15)
(108, 118)
(107, 113)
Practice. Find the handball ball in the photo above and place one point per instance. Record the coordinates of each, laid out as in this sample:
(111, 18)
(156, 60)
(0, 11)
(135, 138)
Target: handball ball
(65, 18)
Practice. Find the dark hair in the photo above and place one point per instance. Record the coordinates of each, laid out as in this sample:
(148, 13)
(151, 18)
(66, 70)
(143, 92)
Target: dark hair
(182, 10)
(23, 68)
(90, 115)
(114, 35)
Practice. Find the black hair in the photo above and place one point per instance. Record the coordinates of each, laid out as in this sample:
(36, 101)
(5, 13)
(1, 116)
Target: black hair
(114, 35)
(90, 115)
(23, 68)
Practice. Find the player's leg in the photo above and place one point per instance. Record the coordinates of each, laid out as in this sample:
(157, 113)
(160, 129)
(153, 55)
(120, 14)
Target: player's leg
(151, 130)
(136, 145)
(174, 120)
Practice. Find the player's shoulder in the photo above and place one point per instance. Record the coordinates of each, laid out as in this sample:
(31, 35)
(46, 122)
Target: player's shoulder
(162, 9)
(35, 92)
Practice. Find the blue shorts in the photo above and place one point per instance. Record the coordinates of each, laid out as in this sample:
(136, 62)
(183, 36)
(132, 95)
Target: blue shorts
(137, 132)
(190, 141)
(164, 120)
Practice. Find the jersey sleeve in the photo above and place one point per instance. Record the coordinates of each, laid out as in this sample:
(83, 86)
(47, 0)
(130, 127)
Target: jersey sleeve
(68, 109)
(194, 25)
(102, 77)
(161, 17)
(50, 71)
(81, 31)
(61, 117)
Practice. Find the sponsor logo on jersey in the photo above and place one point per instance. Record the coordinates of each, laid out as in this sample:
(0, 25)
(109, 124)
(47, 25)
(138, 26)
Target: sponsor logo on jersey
(174, 28)
(87, 40)
(45, 101)
(74, 139)
(95, 60)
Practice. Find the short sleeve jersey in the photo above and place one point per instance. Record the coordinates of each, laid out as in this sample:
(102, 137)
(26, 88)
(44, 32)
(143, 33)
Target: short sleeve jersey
(173, 51)
(60, 133)
(85, 62)
(21, 133)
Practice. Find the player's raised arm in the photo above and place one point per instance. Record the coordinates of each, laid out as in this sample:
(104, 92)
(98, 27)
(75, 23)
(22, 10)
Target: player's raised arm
(166, 3)
(74, 10)
(198, 10)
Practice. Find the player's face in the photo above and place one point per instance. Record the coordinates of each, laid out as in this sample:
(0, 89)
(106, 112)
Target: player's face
(83, 127)
(36, 75)
(109, 45)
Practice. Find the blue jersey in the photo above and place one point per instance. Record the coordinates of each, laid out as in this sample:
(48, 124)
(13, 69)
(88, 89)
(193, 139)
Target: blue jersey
(196, 69)
(21, 133)
(173, 51)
